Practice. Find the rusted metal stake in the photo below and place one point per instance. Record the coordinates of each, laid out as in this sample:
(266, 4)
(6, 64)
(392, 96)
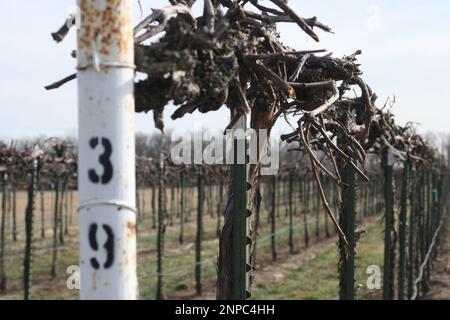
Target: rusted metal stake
(199, 235)
(3, 278)
(241, 214)
(388, 195)
(402, 232)
(162, 215)
(106, 171)
(29, 224)
(348, 226)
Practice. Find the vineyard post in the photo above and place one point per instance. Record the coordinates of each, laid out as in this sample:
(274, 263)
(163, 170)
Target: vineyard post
(14, 210)
(402, 231)
(182, 186)
(55, 228)
(210, 197)
(219, 207)
(365, 202)
(286, 196)
(328, 190)
(412, 228)
(364, 199)
(375, 194)
(60, 210)
(317, 209)
(3, 278)
(277, 197)
(267, 198)
(8, 207)
(348, 226)
(153, 206)
(427, 189)
(308, 196)
(240, 172)
(424, 245)
(387, 271)
(372, 195)
(448, 156)
(190, 198)
(160, 292)
(71, 208)
(429, 212)
(440, 203)
(106, 159)
(138, 204)
(273, 217)
(294, 191)
(41, 192)
(290, 193)
(434, 211)
(305, 208)
(143, 206)
(360, 202)
(420, 246)
(177, 200)
(199, 234)
(172, 202)
(66, 211)
(29, 221)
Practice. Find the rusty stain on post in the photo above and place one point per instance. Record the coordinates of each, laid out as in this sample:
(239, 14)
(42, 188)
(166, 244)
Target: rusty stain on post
(106, 28)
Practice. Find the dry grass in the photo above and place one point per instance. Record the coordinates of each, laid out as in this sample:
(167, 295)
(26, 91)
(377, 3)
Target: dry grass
(272, 281)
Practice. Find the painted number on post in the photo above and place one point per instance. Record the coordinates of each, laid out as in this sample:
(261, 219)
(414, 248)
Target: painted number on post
(104, 160)
(108, 245)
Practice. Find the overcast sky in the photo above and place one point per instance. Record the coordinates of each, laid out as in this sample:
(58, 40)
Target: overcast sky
(405, 44)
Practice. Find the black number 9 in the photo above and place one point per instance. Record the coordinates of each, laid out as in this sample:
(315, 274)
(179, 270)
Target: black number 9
(109, 245)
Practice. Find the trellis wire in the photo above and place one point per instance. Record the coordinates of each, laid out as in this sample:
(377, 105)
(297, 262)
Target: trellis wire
(427, 257)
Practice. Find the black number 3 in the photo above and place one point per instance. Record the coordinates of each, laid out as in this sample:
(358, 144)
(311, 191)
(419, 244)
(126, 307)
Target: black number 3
(105, 161)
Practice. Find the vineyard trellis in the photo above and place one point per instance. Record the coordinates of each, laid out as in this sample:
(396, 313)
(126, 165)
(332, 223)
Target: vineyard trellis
(420, 251)
(231, 57)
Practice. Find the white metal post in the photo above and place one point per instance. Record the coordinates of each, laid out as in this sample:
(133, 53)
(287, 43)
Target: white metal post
(106, 172)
